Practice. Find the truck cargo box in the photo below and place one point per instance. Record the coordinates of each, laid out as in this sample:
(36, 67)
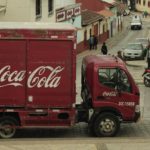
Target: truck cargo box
(37, 65)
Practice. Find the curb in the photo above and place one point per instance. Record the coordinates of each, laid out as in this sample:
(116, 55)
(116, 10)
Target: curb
(101, 146)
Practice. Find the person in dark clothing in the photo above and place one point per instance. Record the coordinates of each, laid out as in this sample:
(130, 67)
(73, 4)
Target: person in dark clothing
(119, 54)
(95, 42)
(91, 42)
(104, 49)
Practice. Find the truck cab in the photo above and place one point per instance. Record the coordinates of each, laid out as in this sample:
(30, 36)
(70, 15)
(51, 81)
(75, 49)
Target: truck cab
(110, 93)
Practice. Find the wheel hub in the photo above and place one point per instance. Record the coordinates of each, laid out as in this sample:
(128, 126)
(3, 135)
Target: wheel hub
(107, 125)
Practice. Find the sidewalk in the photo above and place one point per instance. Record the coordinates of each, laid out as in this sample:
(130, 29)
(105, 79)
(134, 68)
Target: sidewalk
(76, 144)
(136, 68)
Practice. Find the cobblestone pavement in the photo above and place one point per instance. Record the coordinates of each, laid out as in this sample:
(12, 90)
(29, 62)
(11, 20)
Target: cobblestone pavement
(80, 130)
(131, 136)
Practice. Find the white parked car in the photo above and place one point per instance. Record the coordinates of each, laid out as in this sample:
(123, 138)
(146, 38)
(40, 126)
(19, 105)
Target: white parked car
(145, 41)
(133, 51)
(136, 23)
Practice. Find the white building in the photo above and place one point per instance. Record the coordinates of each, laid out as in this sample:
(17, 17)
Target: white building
(42, 11)
(31, 10)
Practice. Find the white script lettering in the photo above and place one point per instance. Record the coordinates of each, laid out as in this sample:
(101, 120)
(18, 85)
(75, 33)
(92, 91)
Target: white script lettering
(43, 76)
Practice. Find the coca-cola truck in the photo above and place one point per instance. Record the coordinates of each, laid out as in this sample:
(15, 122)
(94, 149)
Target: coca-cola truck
(38, 82)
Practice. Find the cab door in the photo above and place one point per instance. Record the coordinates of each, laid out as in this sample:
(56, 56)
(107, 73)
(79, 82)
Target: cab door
(112, 89)
(105, 89)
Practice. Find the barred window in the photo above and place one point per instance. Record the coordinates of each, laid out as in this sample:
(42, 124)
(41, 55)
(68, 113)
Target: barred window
(148, 3)
(50, 6)
(38, 8)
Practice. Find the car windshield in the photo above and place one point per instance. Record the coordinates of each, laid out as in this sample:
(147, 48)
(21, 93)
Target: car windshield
(134, 46)
(143, 41)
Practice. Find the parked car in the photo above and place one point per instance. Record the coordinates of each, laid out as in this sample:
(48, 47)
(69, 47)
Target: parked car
(136, 23)
(133, 51)
(145, 42)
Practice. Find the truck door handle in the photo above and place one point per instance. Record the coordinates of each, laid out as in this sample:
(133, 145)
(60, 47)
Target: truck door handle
(101, 97)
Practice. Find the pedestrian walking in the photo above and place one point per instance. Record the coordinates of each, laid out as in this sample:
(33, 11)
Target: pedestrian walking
(91, 42)
(145, 14)
(104, 49)
(95, 42)
(119, 54)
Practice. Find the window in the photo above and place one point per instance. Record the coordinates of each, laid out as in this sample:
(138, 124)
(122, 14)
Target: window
(138, 1)
(108, 77)
(90, 32)
(114, 78)
(104, 28)
(38, 8)
(50, 6)
(85, 37)
(148, 3)
(143, 2)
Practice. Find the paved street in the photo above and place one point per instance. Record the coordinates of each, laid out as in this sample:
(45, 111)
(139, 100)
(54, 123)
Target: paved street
(131, 136)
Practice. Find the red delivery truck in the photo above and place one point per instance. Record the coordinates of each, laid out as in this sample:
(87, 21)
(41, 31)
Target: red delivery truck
(38, 82)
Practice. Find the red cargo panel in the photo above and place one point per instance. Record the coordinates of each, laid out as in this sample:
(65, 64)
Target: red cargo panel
(50, 79)
(12, 72)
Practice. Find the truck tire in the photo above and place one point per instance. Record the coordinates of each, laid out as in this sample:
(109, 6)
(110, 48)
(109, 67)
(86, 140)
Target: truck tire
(106, 125)
(7, 127)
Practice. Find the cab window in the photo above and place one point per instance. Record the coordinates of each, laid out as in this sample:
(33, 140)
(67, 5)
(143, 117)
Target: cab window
(114, 78)
(124, 83)
(108, 76)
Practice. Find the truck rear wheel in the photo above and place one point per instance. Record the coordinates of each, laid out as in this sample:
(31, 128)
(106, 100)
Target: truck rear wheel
(106, 125)
(7, 127)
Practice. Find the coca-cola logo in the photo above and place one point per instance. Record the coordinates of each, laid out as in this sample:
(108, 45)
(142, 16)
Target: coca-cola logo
(43, 76)
(112, 93)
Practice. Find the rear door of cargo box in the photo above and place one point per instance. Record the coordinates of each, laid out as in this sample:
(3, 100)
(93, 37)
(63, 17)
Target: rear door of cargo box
(12, 72)
(50, 73)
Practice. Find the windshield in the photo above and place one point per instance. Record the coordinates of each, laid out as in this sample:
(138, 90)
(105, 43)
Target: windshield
(134, 46)
(143, 41)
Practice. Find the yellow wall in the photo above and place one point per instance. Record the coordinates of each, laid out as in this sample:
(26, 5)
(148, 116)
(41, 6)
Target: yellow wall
(141, 7)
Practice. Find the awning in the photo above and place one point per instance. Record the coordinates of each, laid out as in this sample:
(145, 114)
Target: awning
(89, 17)
(106, 13)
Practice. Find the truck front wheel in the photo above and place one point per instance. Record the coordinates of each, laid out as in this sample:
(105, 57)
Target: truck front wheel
(106, 125)
(7, 127)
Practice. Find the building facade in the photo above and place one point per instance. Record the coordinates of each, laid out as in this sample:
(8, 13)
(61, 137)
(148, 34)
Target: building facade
(64, 11)
(91, 25)
(143, 5)
(31, 10)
